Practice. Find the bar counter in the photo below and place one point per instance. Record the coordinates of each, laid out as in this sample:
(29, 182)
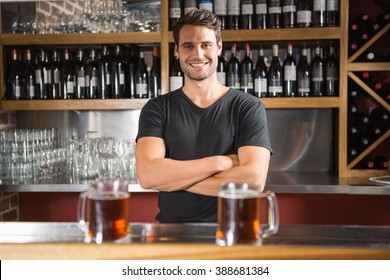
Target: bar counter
(43, 240)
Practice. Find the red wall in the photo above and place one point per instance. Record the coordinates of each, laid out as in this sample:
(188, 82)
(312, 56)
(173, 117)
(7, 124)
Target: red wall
(294, 208)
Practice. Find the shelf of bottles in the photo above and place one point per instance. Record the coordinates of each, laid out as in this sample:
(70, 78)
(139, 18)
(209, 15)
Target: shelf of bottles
(368, 136)
(81, 77)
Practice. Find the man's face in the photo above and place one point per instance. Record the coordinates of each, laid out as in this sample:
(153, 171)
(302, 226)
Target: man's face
(198, 52)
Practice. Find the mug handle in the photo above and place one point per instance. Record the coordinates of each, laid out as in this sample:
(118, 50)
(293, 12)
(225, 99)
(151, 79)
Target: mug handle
(82, 223)
(273, 214)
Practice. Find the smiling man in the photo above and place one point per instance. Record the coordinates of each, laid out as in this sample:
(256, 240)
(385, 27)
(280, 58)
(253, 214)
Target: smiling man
(194, 138)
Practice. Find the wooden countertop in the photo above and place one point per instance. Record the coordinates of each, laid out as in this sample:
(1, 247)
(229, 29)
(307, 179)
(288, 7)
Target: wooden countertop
(65, 251)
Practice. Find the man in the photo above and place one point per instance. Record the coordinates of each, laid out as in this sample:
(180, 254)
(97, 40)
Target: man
(194, 138)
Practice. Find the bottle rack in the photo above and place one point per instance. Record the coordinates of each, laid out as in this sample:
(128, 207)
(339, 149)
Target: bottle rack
(353, 66)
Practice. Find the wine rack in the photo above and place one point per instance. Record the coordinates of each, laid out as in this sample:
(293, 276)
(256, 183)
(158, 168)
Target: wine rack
(164, 38)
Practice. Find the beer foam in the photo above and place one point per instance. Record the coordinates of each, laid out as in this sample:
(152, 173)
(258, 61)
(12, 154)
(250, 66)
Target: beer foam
(107, 196)
(238, 194)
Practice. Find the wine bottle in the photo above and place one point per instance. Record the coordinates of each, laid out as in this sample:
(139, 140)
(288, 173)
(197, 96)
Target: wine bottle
(381, 162)
(380, 117)
(155, 74)
(189, 5)
(303, 74)
(289, 13)
(220, 9)
(174, 12)
(275, 74)
(381, 20)
(40, 90)
(28, 76)
(331, 73)
(80, 75)
(105, 90)
(55, 74)
(233, 69)
(317, 73)
(206, 5)
(247, 14)
(233, 14)
(221, 69)
(14, 78)
(247, 71)
(319, 10)
(131, 68)
(67, 76)
(118, 69)
(261, 14)
(141, 77)
(274, 14)
(332, 12)
(176, 75)
(92, 75)
(289, 74)
(260, 76)
(304, 13)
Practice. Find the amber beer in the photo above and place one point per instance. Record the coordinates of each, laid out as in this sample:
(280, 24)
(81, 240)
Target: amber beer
(238, 217)
(108, 216)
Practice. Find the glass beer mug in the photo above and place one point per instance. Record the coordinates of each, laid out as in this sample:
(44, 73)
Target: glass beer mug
(239, 215)
(103, 211)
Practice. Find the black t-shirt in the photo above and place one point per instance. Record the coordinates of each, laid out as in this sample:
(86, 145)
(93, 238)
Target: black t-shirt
(190, 132)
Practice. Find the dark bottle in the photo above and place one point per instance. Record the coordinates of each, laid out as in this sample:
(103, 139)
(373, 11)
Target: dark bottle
(80, 75)
(352, 152)
(131, 68)
(55, 69)
(14, 78)
(275, 74)
(274, 14)
(47, 77)
(380, 21)
(233, 69)
(304, 13)
(234, 14)
(367, 56)
(105, 90)
(42, 75)
(381, 162)
(366, 163)
(67, 76)
(174, 12)
(221, 69)
(155, 74)
(141, 77)
(176, 75)
(189, 5)
(261, 11)
(380, 117)
(319, 13)
(289, 13)
(118, 74)
(289, 74)
(303, 75)
(92, 75)
(220, 9)
(247, 71)
(28, 76)
(260, 76)
(317, 73)
(331, 73)
(247, 14)
(332, 12)
(360, 30)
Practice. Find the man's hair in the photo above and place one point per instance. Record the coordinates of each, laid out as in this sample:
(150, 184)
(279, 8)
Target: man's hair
(198, 17)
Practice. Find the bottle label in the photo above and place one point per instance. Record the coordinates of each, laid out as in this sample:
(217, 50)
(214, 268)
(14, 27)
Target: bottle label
(234, 8)
(274, 10)
(220, 8)
(56, 76)
(175, 82)
(319, 5)
(174, 12)
(121, 78)
(260, 85)
(94, 81)
(142, 89)
(233, 81)
(206, 6)
(246, 9)
(290, 72)
(317, 79)
(18, 93)
(81, 81)
(304, 85)
(46, 77)
(38, 76)
(303, 16)
(221, 76)
(261, 9)
(108, 79)
(70, 86)
(278, 89)
(186, 10)
(289, 9)
(332, 5)
(31, 91)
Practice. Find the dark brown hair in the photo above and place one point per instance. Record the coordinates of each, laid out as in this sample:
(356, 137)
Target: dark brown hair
(198, 17)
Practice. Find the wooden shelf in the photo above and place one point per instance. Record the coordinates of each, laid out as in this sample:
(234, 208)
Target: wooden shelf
(282, 34)
(73, 104)
(369, 66)
(79, 39)
(300, 102)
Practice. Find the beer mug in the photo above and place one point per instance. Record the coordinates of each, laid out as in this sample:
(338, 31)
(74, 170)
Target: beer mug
(103, 211)
(239, 215)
